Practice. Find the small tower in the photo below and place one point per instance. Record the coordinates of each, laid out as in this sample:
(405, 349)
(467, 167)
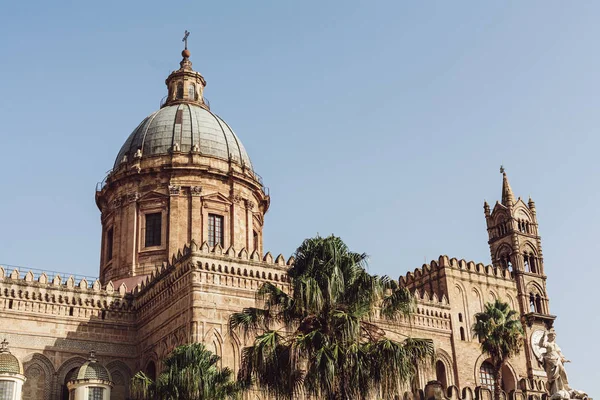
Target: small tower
(92, 381)
(11, 374)
(515, 244)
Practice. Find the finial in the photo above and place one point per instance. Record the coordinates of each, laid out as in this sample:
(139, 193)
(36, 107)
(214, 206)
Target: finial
(502, 170)
(185, 36)
(4, 346)
(185, 53)
(92, 356)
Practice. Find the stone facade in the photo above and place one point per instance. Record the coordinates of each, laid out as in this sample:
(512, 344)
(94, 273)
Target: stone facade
(150, 299)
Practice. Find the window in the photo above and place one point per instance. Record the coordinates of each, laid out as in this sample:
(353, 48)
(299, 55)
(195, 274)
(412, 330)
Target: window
(153, 229)
(538, 303)
(7, 390)
(459, 317)
(192, 91)
(486, 376)
(109, 244)
(462, 333)
(440, 373)
(95, 393)
(215, 230)
(255, 238)
(180, 90)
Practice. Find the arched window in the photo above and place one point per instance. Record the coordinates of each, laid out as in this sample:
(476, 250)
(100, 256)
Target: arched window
(459, 317)
(440, 373)
(462, 334)
(180, 90)
(192, 91)
(531, 302)
(486, 376)
(538, 303)
(533, 264)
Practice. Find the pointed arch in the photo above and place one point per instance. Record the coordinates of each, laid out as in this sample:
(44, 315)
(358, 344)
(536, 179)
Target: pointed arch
(462, 293)
(121, 375)
(478, 299)
(444, 359)
(68, 366)
(213, 340)
(39, 372)
(511, 301)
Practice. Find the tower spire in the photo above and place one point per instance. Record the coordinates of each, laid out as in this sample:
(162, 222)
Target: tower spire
(508, 198)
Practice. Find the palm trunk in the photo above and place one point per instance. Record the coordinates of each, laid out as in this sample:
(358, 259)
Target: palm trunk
(498, 382)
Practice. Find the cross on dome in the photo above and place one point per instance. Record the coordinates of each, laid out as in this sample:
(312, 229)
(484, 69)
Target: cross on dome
(185, 37)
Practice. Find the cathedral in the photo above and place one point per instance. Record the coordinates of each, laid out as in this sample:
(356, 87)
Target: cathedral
(182, 216)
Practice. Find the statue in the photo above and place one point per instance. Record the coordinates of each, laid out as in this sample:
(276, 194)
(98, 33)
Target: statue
(553, 361)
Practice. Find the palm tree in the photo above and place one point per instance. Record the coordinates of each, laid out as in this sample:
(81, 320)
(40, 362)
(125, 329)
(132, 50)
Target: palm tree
(501, 335)
(322, 339)
(190, 373)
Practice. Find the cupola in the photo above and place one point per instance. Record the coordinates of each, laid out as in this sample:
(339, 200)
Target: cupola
(185, 85)
(11, 374)
(92, 381)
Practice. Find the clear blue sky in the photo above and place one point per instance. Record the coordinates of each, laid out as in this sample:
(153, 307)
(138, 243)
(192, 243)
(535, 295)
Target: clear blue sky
(383, 122)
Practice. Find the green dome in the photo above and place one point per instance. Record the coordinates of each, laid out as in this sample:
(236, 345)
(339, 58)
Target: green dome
(9, 364)
(191, 127)
(91, 370)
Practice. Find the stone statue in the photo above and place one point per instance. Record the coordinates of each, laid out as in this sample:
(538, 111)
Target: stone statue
(553, 360)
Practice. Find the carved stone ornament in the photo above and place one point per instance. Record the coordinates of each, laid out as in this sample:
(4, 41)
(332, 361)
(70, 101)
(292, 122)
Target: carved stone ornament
(116, 203)
(237, 198)
(249, 204)
(196, 190)
(133, 197)
(174, 190)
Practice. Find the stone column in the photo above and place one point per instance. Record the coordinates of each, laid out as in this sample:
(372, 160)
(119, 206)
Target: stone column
(174, 222)
(196, 215)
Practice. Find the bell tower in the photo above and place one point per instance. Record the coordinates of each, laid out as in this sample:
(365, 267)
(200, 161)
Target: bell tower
(515, 244)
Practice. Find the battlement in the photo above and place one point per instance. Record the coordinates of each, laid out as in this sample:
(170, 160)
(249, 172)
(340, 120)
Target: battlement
(229, 268)
(443, 262)
(83, 299)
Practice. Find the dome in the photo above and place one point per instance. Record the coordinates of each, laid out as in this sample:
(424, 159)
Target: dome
(92, 369)
(184, 127)
(9, 364)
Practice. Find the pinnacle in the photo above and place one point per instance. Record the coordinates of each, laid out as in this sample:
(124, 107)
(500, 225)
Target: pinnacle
(508, 198)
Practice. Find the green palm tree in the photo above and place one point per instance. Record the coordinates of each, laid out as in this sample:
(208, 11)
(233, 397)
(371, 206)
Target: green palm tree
(323, 339)
(190, 373)
(500, 333)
